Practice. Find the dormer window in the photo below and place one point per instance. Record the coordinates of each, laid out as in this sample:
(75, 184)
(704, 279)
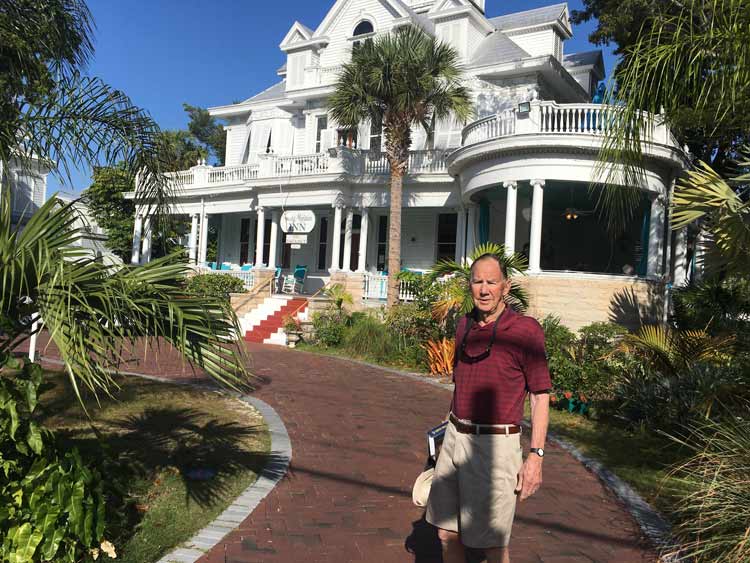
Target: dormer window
(363, 32)
(363, 28)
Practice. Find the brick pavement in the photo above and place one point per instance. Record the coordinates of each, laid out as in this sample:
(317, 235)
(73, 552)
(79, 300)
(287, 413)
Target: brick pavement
(358, 439)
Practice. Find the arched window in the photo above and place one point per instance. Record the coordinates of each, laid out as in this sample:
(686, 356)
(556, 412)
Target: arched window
(363, 28)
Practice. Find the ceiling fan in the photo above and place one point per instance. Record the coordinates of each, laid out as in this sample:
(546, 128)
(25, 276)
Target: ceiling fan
(571, 213)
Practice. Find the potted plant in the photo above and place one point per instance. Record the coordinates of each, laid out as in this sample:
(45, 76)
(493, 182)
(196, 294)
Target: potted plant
(293, 330)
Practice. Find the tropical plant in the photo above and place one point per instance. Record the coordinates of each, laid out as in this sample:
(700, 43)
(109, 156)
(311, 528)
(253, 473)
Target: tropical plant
(712, 517)
(338, 295)
(401, 79)
(690, 65)
(329, 327)
(702, 195)
(456, 298)
(53, 502)
(441, 355)
(672, 352)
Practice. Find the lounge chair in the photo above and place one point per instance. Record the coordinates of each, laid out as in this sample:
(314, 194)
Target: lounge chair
(294, 283)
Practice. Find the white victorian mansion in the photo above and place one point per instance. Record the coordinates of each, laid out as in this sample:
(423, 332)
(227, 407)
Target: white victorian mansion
(519, 174)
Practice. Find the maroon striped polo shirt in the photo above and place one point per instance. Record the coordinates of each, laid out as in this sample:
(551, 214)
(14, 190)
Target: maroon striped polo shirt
(493, 390)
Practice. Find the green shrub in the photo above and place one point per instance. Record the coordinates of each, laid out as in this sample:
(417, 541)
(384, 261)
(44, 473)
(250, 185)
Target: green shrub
(411, 324)
(369, 338)
(648, 398)
(215, 285)
(712, 515)
(330, 326)
(558, 339)
(52, 504)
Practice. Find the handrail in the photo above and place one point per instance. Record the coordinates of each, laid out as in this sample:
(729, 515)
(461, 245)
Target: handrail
(298, 309)
(256, 290)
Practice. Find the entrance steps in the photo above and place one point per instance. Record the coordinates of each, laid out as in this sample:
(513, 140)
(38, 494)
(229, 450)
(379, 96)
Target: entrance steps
(264, 323)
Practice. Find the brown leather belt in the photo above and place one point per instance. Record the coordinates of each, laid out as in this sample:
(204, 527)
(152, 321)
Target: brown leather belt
(464, 428)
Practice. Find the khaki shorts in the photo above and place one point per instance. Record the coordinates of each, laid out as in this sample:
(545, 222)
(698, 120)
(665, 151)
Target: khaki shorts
(473, 489)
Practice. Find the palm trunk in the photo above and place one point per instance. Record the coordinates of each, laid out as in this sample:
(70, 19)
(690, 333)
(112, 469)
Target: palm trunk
(394, 234)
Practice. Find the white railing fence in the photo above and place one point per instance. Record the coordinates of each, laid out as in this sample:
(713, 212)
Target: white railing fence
(300, 165)
(492, 127)
(376, 287)
(239, 173)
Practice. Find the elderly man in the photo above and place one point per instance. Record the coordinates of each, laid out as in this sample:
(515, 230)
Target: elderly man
(480, 470)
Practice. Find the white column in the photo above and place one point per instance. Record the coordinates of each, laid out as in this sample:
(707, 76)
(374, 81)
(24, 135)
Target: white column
(336, 243)
(137, 234)
(33, 338)
(680, 255)
(203, 251)
(656, 237)
(147, 239)
(260, 237)
(274, 251)
(193, 240)
(511, 203)
(364, 226)
(471, 229)
(535, 242)
(348, 240)
(461, 235)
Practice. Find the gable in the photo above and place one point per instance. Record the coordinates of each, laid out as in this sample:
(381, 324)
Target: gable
(296, 34)
(332, 22)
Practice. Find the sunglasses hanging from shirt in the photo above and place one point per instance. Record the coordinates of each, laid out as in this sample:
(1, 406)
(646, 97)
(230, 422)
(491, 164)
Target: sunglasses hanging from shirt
(469, 359)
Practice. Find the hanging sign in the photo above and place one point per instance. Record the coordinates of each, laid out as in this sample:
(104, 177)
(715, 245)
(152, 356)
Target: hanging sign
(296, 239)
(295, 246)
(297, 221)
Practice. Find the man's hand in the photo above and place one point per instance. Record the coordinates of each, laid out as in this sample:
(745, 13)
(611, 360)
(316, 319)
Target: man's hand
(530, 477)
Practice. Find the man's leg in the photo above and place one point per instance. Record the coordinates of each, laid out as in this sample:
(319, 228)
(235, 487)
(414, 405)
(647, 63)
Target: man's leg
(497, 555)
(453, 550)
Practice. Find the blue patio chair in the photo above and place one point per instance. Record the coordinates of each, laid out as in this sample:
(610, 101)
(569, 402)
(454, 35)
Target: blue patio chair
(212, 265)
(225, 267)
(246, 268)
(295, 282)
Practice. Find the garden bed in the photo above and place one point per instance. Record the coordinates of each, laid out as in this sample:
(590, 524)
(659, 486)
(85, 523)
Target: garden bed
(181, 455)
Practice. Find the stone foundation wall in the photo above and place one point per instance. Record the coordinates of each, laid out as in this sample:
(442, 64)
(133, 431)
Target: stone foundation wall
(243, 303)
(354, 284)
(580, 299)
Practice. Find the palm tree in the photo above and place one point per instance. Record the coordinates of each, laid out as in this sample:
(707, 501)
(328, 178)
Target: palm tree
(691, 68)
(50, 112)
(458, 300)
(402, 80)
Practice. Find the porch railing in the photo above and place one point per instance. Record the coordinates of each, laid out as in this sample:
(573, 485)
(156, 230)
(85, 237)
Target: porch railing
(550, 117)
(376, 287)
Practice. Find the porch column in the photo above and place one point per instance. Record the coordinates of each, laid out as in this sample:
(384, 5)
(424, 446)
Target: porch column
(147, 239)
(203, 251)
(679, 277)
(273, 251)
(336, 243)
(511, 203)
(471, 226)
(535, 242)
(656, 237)
(348, 239)
(461, 235)
(260, 237)
(137, 233)
(193, 241)
(362, 265)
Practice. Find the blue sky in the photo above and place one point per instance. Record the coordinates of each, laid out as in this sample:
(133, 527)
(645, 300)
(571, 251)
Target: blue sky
(166, 52)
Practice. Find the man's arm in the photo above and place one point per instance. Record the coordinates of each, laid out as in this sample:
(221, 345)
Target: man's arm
(530, 477)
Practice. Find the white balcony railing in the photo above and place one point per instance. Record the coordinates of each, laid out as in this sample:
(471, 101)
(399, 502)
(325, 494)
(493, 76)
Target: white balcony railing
(346, 161)
(554, 118)
(376, 287)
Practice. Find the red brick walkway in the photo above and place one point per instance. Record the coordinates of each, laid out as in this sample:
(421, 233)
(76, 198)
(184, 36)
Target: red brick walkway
(358, 443)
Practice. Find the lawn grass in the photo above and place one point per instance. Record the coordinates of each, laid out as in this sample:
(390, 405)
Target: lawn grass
(640, 458)
(182, 455)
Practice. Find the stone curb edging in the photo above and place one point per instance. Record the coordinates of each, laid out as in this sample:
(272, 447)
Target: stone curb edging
(274, 470)
(651, 523)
